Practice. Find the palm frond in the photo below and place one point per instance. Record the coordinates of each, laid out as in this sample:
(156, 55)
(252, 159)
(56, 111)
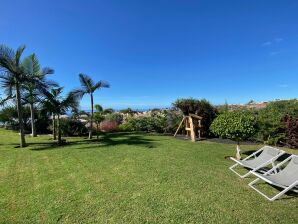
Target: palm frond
(7, 52)
(78, 92)
(86, 82)
(47, 71)
(51, 84)
(6, 64)
(56, 91)
(100, 84)
(31, 65)
(98, 108)
(70, 102)
(6, 99)
(18, 54)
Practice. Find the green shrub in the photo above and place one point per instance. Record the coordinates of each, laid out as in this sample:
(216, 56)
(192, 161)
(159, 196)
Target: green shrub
(236, 125)
(71, 127)
(149, 124)
(9, 117)
(270, 120)
(128, 126)
(108, 111)
(98, 117)
(187, 106)
(174, 118)
(127, 111)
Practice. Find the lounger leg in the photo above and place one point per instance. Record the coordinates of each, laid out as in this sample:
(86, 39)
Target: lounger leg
(242, 176)
(274, 197)
(251, 184)
(284, 191)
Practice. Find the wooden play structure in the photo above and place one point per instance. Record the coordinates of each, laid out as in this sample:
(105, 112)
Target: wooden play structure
(192, 124)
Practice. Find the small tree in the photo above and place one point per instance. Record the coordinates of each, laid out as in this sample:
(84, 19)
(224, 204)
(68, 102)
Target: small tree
(237, 126)
(98, 117)
(58, 105)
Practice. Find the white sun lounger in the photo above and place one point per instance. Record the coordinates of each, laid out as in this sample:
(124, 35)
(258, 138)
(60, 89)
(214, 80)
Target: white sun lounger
(286, 178)
(268, 156)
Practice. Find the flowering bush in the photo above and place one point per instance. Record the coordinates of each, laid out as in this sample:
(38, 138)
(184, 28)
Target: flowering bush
(291, 131)
(109, 126)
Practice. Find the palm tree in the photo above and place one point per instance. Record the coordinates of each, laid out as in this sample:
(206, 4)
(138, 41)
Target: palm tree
(49, 105)
(88, 86)
(98, 117)
(38, 84)
(12, 76)
(98, 108)
(60, 105)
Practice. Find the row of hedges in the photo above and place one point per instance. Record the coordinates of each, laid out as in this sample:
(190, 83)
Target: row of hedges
(277, 124)
(163, 121)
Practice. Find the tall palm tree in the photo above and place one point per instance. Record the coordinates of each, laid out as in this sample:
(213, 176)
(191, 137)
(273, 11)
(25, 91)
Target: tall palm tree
(49, 105)
(33, 90)
(88, 86)
(60, 105)
(12, 76)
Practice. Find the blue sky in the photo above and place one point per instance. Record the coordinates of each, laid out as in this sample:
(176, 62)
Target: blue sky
(152, 52)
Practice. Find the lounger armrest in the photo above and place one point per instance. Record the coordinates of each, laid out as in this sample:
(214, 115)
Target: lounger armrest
(260, 176)
(295, 183)
(253, 154)
(268, 162)
(235, 160)
(279, 164)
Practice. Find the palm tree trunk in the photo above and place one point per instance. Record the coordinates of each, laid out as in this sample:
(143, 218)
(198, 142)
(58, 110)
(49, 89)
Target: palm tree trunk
(20, 116)
(33, 129)
(91, 118)
(59, 130)
(97, 130)
(54, 126)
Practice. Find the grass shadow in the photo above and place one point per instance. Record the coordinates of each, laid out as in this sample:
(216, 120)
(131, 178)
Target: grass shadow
(104, 140)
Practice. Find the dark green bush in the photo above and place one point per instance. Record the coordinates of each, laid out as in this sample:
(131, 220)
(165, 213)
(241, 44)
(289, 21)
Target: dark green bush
(187, 106)
(127, 111)
(9, 117)
(108, 111)
(42, 123)
(71, 127)
(117, 117)
(202, 108)
(149, 124)
(128, 126)
(270, 121)
(174, 118)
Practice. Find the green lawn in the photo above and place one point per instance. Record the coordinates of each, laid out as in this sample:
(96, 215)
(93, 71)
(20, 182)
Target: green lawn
(129, 178)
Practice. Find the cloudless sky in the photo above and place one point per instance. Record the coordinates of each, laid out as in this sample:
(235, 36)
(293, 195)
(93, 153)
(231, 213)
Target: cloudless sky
(152, 52)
